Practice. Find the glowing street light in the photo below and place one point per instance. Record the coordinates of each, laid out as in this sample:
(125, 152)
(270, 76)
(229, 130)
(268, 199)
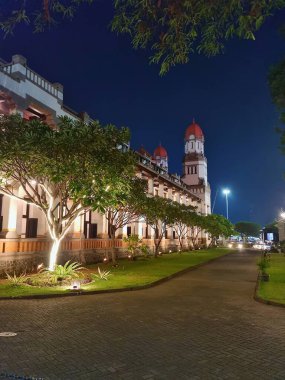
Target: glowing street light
(282, 215)
(226, 192)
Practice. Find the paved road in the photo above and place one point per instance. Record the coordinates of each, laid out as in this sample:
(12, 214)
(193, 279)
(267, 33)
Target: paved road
(202, 325)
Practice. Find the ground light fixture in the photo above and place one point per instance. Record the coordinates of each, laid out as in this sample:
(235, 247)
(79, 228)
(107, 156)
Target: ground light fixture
(75, 285)
(227, 192)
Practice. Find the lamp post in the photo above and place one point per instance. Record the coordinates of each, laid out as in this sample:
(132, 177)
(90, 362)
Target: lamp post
(226, 192)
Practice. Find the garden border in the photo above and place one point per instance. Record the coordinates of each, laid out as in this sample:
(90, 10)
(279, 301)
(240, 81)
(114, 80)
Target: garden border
(119, 290)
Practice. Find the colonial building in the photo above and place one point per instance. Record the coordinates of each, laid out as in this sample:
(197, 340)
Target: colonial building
(23, 229)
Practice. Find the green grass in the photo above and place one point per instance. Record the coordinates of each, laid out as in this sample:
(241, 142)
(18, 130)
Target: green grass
(274, 289)
(128, 274)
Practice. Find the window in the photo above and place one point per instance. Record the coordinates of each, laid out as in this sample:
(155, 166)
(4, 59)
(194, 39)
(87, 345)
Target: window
(192, 169)
(86, 225)
(146, 232)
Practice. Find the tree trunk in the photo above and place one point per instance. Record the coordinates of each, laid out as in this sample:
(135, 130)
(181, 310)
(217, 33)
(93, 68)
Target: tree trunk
(113, 236)
(53, 253)
(180, 241)
(156, 250)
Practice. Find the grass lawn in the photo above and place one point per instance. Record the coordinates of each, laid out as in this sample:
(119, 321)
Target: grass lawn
(274, 289)
(127, 275)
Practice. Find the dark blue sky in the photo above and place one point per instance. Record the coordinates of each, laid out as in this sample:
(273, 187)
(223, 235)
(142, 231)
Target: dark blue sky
(228, 96)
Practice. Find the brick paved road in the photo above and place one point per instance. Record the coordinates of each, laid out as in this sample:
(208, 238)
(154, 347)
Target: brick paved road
(202, 325)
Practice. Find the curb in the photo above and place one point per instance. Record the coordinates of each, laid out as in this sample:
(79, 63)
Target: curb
(259, 299)
(120, 290)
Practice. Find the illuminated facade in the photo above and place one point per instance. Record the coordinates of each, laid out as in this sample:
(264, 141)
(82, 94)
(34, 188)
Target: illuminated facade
(23, 227)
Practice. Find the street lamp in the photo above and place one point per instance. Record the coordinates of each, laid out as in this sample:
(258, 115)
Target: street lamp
(282, 215)
(226, 192)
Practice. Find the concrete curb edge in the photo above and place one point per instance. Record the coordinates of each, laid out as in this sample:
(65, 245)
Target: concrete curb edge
(259, 299)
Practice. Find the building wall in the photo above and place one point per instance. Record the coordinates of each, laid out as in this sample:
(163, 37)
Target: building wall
(20, 89)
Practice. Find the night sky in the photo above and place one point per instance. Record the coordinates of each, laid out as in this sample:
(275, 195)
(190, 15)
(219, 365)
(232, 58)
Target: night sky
(228, 96)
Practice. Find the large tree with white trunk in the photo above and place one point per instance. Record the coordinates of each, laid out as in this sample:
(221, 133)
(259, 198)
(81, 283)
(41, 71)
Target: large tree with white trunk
(64, 171)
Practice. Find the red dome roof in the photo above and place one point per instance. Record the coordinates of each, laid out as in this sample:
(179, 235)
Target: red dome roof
(194, 129)
(160, 151)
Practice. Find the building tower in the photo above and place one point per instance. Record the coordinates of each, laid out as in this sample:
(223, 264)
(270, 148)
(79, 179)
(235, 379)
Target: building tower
(160, 157)
(195, 165)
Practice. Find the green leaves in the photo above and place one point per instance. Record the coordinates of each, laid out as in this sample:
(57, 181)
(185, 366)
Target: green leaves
(248, 228)
(102, 274)
(173, 30)
(217, 225)
(68, 271)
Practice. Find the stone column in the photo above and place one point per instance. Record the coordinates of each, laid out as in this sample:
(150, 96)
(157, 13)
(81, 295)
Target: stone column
(11, 229)
(77, 232)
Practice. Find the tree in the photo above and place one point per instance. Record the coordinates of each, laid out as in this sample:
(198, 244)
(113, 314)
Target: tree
(216, 226)
(126, 210)
(64, 171)
(248, 228)
(158, 213)
(172, 29)
(196, 223)
(175, 29)
(40, 14)
(180, 220)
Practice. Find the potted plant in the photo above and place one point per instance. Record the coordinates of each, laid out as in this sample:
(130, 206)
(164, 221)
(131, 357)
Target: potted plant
(263, 264)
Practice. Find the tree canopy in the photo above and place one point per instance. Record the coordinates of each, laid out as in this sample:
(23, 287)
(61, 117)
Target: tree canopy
(248, 228)
(218, 225)
(127, 208)
(159, 213)
(171, 29)
(64, 171)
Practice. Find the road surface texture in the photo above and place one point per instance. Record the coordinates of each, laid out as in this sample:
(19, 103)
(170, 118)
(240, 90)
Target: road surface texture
(201, 325)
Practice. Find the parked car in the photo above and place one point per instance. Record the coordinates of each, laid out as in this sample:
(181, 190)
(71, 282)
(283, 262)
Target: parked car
(262, 246)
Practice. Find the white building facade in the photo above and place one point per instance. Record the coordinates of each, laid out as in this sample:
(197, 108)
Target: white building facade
(23, 230)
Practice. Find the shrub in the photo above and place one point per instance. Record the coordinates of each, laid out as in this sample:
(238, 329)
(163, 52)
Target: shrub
(101, 275)
(40, 280)
(133, 243)
(145, 250)
(66, 272)
(15, 280)
(263, 264)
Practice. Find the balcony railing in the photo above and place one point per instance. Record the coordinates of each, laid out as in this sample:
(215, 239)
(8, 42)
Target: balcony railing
(42, 246)
(32, 76)
(163, 173)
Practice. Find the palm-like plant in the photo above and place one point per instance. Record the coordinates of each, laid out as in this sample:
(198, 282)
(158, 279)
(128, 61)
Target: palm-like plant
(15, 280)
(68, 271)
(102, 274)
